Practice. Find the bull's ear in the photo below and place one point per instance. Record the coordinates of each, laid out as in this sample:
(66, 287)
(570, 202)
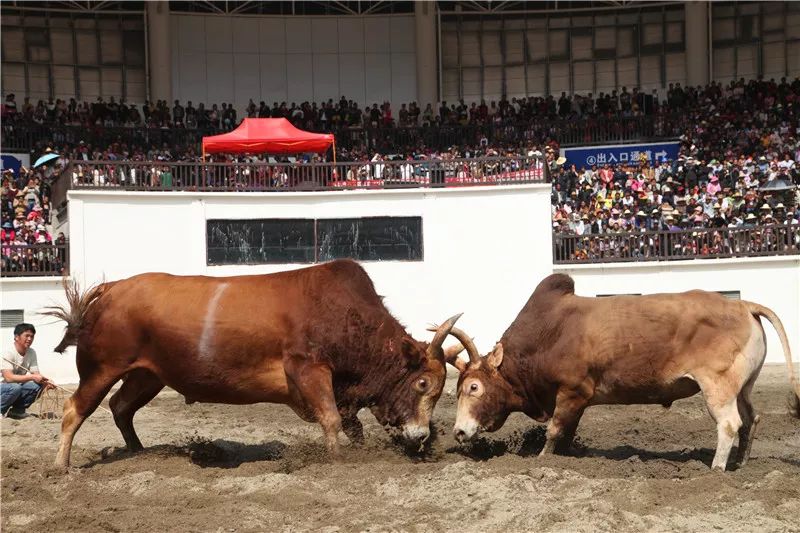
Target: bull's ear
(495, 359)
(411, 352)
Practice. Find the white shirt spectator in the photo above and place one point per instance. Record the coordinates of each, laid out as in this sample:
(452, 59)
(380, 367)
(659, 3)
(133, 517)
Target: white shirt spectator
(27, 362)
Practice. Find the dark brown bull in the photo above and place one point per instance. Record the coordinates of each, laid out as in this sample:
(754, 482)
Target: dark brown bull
(318, 339)
(564, 353)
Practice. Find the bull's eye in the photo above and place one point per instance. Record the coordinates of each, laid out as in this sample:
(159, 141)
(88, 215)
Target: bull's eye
(474, 388)
(421, 385)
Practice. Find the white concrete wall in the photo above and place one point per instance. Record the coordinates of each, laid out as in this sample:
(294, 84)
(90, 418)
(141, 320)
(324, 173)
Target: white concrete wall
(771, 281)
(219, 58)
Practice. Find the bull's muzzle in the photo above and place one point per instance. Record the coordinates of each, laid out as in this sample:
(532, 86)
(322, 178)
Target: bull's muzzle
(465, 431)
(415, 434)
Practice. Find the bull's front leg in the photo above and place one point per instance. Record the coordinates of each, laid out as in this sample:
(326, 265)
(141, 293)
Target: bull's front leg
(570, 406)
(352, 426)
(311, 386)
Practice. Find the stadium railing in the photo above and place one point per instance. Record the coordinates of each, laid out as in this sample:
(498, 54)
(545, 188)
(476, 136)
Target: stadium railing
(34, 260)
(695, 243)
(197, 176)
(25, 135)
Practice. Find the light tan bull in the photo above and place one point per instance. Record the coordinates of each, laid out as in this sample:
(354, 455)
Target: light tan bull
(564, 353)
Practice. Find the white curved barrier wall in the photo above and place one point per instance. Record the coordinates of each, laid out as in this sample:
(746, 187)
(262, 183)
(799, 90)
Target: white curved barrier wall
(485, 250)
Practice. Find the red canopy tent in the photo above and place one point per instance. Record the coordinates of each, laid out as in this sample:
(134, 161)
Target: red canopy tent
(268, 135)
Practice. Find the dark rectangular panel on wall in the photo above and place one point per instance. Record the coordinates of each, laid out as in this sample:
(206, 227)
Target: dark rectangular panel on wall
(370, 239)
(243, 242)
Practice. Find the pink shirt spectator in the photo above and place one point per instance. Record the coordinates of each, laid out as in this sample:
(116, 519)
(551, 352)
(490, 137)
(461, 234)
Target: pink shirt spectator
(713, 186)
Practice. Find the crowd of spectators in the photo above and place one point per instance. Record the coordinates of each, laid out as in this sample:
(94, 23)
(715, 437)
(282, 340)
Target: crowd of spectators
(333, 115)
(355, 168)
(680, 101)
(737, 139)
(26, 241)
(737, 168)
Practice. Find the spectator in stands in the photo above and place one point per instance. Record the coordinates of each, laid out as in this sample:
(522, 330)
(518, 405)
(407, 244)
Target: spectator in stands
(25, 215)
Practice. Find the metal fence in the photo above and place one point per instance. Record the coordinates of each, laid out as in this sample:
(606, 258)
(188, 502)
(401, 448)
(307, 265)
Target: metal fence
(166, 176)
(697, 243)
(34, 260)
(26, 136)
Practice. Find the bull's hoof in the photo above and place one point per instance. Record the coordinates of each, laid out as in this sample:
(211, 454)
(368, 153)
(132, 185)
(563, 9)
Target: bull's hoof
(58, 468)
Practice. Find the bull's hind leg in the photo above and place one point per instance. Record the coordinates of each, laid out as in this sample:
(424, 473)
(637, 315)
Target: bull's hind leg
(747, 432)
(92, 389)
(754, 355)
(724, 410)
(138, 388)
(750, 421)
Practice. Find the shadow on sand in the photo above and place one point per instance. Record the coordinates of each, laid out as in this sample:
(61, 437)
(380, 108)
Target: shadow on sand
(218, 453)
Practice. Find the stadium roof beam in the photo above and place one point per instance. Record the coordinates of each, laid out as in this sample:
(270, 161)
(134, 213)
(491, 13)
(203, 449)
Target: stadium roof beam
(214, 8)
(374, 7)
(503, 5)
(65, 6)
(344, 8)
(241, 7)
(476, 7)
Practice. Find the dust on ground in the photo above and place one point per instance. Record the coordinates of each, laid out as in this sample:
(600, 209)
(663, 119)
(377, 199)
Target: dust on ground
(223, 468)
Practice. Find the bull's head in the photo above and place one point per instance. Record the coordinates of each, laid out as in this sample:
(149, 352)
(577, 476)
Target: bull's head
(409, 403)
(485, 397)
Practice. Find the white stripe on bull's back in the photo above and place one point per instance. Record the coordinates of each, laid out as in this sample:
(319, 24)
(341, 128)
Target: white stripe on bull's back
(204, 347)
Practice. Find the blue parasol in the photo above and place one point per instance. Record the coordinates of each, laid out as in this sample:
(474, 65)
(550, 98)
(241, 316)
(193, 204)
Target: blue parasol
(46, 158)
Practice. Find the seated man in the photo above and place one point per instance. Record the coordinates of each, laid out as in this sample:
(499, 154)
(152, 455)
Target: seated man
(22, 381)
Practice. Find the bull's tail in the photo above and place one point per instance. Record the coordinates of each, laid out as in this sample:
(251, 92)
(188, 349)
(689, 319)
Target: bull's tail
(74, 312)
(760, 310)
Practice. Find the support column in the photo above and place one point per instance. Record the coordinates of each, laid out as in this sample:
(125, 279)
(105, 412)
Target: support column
(158, 51)
(697, 43)
(427, 53)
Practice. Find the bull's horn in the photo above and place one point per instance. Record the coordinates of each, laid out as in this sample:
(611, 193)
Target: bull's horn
(451, 352)
(466, 340)
(451, 356)
(441, 334)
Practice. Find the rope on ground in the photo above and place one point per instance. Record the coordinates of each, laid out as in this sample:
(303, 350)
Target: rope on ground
(50, 402)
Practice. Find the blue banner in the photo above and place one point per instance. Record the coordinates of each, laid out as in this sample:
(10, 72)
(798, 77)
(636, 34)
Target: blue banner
(586, 156)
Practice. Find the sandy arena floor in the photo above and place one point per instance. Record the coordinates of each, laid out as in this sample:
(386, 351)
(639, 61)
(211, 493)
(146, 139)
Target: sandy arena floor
(260, 468)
